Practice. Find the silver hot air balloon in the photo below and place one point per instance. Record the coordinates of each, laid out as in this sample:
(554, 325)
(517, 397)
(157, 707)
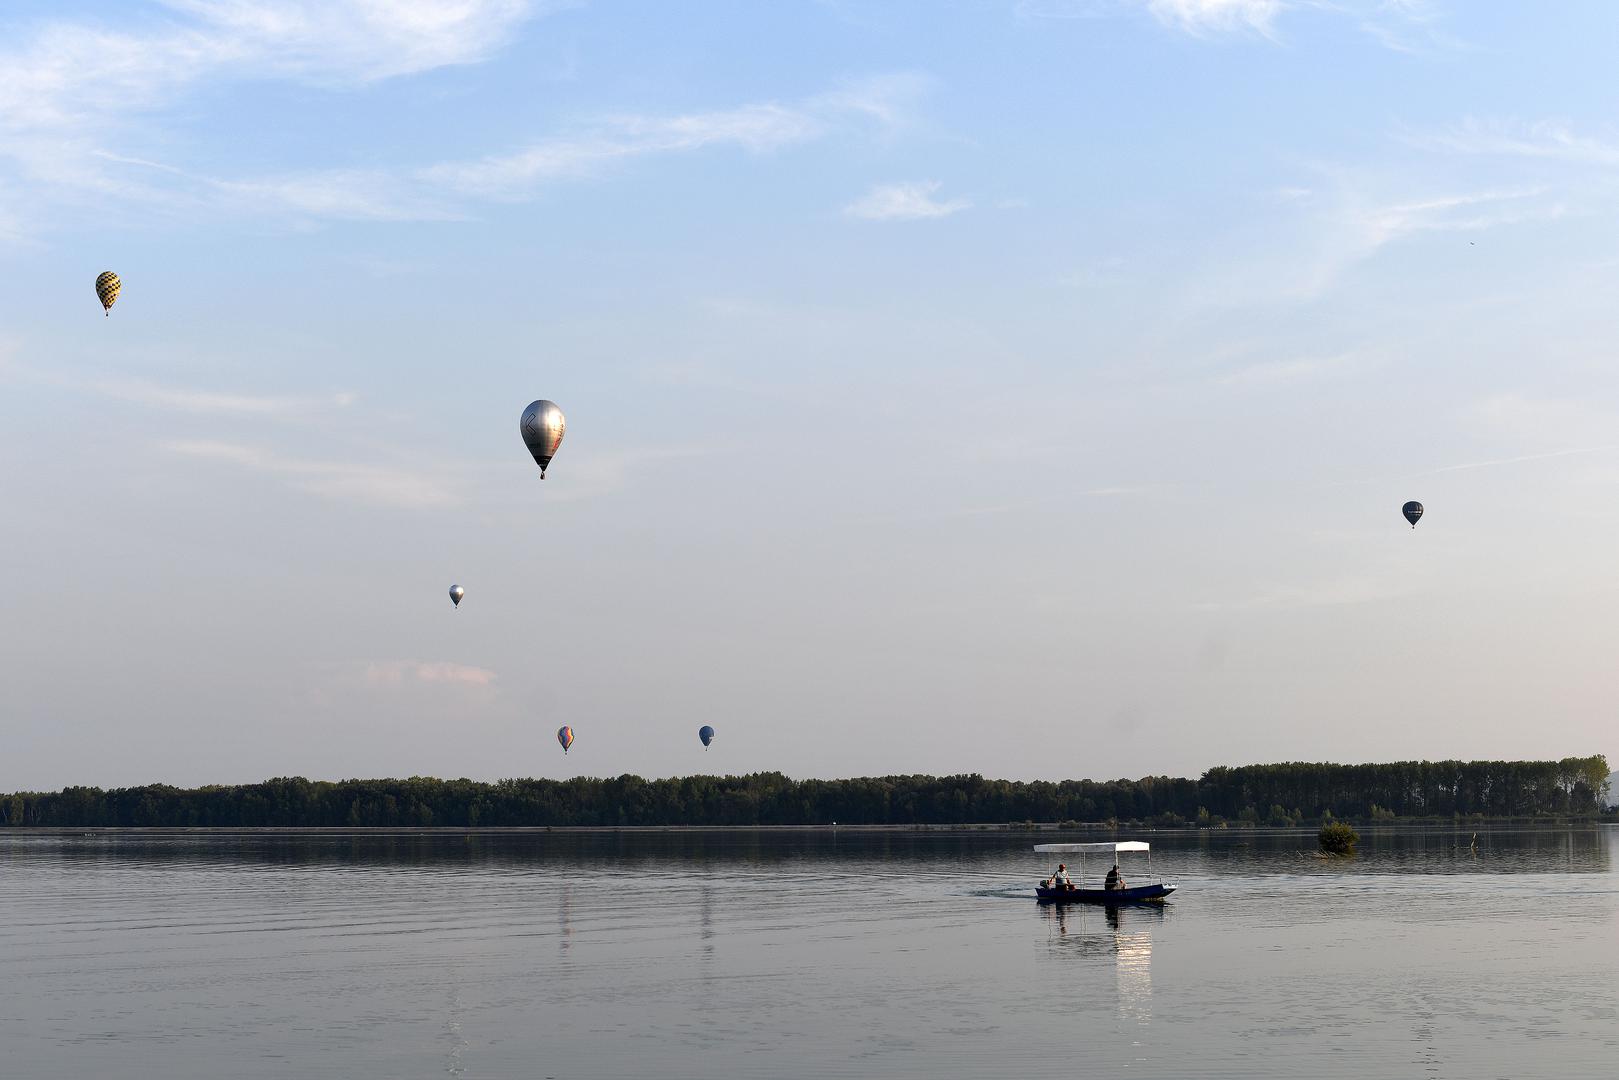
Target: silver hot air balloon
(456, 593)
(542, 427)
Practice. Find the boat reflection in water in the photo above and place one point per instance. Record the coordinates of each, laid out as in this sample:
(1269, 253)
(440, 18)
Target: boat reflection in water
(1122, 935)
(1132, 950)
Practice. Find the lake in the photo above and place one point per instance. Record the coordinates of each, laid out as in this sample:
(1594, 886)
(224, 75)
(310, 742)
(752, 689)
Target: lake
(741, 954)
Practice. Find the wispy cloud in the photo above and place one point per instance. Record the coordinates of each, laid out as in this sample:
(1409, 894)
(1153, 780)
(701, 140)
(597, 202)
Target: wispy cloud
(1469, 212)
(344, 481)
(70, 83)
(600, 474)
(1546, 139)
(137, 391)
(346, 194)
(356, 40)
(1216, 16)
(904, 202)
(142, 392)
(398, 673)
(1275, 372)
(756, 128)
(76, 74)
(1352, 223)
(1401, 25)
(1492, 462)
(65, 92)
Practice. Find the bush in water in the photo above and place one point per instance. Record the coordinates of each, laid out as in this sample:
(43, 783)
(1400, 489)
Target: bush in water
(1338, 838)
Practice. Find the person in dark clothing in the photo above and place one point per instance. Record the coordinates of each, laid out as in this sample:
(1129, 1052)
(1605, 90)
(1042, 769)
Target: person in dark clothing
(1114, 879)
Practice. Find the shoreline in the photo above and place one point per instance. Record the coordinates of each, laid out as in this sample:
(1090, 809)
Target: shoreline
(1414, 825)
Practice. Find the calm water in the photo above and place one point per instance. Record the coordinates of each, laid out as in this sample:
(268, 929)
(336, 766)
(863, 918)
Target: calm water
(745, 955)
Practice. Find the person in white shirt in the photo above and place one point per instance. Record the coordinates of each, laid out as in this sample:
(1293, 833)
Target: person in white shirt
(1060, 880)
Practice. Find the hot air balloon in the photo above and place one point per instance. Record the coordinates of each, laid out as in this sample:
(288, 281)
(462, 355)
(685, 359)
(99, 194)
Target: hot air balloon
(706, 734)
(456, 593)
(542, 426)
(565, 737)
(107, 286)
(1412, 511)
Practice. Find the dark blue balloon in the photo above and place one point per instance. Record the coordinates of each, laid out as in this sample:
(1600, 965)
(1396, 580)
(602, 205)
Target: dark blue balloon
(1412, 511)
(706, 734)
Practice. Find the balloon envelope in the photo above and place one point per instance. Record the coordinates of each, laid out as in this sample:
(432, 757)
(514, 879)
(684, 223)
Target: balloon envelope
(542, 427)
(1412, 511)
(565, 737)
(706, 734)
(107, 286)
(456, 593)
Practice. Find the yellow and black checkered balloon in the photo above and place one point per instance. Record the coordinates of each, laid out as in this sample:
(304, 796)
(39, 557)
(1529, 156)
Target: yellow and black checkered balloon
(107, 286)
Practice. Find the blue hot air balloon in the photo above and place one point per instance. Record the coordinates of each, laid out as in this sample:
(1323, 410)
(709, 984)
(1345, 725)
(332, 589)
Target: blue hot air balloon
(706, 734)
(565, 737)
(1412, 511)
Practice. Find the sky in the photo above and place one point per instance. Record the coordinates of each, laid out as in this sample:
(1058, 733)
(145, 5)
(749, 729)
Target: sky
(1027, 388)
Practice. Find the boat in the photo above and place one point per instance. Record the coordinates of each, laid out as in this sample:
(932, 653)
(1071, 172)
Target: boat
(1140, 894)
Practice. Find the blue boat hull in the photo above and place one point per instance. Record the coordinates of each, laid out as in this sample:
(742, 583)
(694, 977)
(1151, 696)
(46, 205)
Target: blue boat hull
(1103, 896)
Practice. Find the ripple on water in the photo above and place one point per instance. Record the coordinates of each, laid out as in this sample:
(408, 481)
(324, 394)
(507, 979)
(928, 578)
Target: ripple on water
(741, 954)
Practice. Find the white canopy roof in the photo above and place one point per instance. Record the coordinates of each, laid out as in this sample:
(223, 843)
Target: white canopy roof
(1121, 845)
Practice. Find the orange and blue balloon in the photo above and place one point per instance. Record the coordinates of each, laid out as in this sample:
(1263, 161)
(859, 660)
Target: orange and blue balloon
(565, 737)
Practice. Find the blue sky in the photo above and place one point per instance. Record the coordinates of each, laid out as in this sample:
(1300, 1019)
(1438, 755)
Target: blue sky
(1024, 388)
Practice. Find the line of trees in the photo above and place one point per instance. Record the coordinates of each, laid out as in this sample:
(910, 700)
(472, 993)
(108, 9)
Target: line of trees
(1258, 794)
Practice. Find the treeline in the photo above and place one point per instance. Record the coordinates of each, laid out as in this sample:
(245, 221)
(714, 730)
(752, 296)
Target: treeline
(1256, 794)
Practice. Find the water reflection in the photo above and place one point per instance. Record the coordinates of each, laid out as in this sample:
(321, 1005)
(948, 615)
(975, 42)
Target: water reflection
(705, 923)
(896, 956)
(565, 920)
(1120, 935)
(1465, 849)
(453, 1034)
(1133, 952)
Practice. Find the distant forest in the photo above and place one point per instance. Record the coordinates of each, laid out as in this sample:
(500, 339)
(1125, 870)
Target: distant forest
(1278, 795)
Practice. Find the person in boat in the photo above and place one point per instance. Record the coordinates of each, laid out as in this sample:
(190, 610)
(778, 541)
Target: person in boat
(1060, 880)
(1114, 879)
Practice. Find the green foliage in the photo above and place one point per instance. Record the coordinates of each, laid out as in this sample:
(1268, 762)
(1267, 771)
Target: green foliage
(1512, 788)
(1337, 838)
(1279, 818)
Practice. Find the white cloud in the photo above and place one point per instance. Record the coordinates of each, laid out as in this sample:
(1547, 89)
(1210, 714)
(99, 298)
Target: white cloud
(1204, 16)
(347, 194)
(1519, 459)
(142, 392)
(751, 127)
(1401, 25)
(904, 202)
(1468, 212)
(357, 40)
(76, 75)
(340, 480)
(1196, 17)
(1298, 369)
(758, 128)
(66, 90)
(68, 85)
(437, 191)
(1338, 232)
(1547, 139)
(395, 673)
(137, 391)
